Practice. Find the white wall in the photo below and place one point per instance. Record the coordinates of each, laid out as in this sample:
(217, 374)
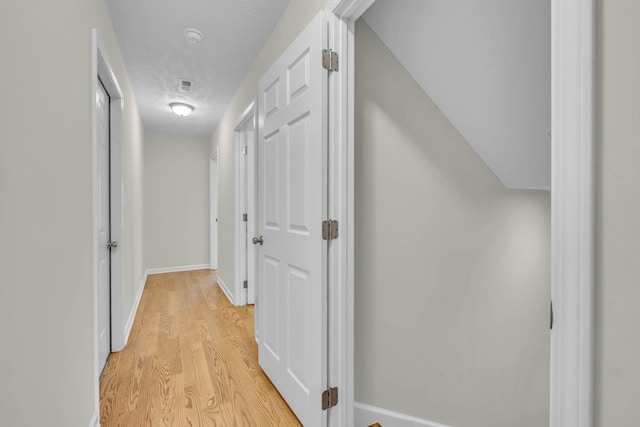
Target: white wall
(618, 214)
(452, 269)
(297, 15)
(176, 201)
(487, 65)
(46, 272)
(45, 212)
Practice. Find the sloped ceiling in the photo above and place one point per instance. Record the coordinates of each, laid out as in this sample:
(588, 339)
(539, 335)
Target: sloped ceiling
(487, 65)
(157, 54)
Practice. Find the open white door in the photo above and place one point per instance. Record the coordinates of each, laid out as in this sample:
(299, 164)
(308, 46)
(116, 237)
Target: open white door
(104, 227)
(244, 136)
(292, 261)
(213, 211)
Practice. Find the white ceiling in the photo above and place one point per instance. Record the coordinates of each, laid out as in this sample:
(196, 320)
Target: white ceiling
(156, 54)
(487, 65)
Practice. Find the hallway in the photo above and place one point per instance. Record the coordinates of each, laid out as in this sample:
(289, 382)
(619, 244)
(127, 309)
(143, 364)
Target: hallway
(191, 360)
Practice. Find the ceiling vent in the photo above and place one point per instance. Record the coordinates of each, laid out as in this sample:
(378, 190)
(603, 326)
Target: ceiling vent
(184, 85)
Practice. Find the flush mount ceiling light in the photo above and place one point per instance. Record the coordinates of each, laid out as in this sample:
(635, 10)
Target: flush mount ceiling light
(193, 36)
(181, 109)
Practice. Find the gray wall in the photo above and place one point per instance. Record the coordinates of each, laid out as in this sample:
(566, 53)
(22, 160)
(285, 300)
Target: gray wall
(295, 17)
(452, 269)
(46, 208)
(618, 214)
(176, 201)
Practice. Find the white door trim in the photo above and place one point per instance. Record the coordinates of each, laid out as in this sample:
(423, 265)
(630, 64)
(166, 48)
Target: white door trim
(252, 201)
(102, 69)
(571, 394)
(213, 210)
(243, 257)
(340, 287)
(572, 212)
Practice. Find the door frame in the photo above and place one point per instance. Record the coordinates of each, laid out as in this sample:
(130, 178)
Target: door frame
(213, 210)
(244, 258)
(572, 209)
(101, 68)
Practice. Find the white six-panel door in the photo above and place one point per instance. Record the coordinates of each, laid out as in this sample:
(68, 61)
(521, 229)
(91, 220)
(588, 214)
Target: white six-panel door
(292, 199)
(104, 227)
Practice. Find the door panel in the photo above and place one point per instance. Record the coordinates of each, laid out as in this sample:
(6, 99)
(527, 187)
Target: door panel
(272, 299)
(270, 180)
(292, 278)
(104, 227)
(298, 189)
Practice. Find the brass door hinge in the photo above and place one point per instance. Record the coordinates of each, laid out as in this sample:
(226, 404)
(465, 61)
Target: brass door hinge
(329, 229)
(329, 398)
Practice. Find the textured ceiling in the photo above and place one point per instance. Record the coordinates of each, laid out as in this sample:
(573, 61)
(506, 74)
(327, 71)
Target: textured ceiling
(157, 54)
(487, 65)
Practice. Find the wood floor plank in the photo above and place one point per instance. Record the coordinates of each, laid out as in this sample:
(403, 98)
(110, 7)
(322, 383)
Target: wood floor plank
(191, 361)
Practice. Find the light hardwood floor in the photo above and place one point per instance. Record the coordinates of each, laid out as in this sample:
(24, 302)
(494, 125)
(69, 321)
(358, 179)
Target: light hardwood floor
(191, 361)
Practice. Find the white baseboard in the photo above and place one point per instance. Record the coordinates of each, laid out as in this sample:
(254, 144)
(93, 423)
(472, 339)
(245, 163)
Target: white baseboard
(364, 415)
(134, 309)
(177, 269)
(95, 420)
(225, 289)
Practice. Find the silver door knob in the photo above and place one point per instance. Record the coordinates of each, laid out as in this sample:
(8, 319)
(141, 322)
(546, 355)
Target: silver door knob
(257, 240)
(112, 245)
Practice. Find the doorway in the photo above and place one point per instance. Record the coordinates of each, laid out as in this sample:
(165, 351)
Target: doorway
(105, 244)
(245, 221)
(572, 199)
(462, 267)
(213, 211)
(108, 208)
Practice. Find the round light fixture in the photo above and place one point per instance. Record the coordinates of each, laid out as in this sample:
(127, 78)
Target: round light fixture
(193, 36)
(181, 109)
